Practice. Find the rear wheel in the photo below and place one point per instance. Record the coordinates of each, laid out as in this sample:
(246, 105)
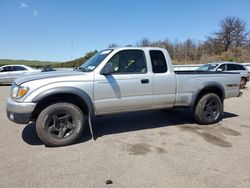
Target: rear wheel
(60, 124)
(208, 109)
(243, 83)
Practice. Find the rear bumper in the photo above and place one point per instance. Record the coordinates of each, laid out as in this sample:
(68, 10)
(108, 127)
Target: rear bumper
(19, 112)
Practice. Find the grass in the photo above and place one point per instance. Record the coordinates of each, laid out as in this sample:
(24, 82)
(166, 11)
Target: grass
(26, 62)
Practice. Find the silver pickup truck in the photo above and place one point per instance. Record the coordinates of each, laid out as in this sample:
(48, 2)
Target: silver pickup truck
(114, 81)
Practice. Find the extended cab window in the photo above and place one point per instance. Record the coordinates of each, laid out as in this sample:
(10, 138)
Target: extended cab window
(129, 61)
(158, 61)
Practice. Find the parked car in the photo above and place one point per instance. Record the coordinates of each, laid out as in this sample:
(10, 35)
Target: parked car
(115, 81)
(47, 69)
(229, 67)
(9, 73)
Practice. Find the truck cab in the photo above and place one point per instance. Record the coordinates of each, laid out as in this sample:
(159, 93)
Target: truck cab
(130, 80)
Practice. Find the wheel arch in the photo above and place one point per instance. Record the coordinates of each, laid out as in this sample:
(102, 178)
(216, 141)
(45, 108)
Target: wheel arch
(213, 88)
(63, 94)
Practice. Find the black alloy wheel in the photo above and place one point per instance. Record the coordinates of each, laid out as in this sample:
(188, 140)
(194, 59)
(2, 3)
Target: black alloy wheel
(208, 109)
(60, 124)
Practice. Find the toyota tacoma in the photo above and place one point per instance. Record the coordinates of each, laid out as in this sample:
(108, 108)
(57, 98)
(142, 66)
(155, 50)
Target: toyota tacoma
(115, 81)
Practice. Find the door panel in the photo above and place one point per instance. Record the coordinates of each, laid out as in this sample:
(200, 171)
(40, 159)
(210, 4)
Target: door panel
(164, 90)
(122, 92)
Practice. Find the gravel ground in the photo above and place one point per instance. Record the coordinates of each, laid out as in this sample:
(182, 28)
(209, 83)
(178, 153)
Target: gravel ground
(143, 149)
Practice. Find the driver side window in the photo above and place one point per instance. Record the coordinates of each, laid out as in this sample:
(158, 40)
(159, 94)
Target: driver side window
(129, 61)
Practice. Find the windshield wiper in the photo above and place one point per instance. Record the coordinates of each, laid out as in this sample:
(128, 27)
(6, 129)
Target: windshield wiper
(80, 69)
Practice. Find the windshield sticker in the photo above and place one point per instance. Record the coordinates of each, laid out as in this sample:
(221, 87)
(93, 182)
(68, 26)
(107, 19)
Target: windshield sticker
(91, 67)
(105, 52)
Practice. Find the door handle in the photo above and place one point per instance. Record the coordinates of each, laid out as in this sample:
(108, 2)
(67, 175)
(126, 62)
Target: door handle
(145, 81)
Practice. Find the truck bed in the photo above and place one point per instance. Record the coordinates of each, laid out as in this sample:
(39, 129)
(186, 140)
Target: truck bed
(189, 83)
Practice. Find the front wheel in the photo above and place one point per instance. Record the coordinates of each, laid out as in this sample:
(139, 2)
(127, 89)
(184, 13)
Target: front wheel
(208, 109)
(60, 124)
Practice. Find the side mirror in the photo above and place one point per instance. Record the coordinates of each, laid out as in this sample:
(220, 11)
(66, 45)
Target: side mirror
(107, 69)
(219, 70)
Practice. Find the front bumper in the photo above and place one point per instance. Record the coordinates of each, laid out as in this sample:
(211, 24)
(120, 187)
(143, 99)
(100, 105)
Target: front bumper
(19, 112)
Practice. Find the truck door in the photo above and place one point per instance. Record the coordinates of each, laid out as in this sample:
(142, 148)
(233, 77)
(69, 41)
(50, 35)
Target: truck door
(128, 87)
(164, 81)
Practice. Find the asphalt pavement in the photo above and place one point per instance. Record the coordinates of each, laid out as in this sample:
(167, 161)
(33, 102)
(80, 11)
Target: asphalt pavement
(142, 149)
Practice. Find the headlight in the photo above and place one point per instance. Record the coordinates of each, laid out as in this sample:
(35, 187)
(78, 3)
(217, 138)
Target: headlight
(18, 92)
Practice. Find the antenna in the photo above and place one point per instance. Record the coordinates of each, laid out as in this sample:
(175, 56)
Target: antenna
(72, 48)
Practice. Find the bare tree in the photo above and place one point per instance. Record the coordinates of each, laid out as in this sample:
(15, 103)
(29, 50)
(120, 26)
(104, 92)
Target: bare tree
(167, 44)
(113, 45)
(231, 41)
(144, 42)
(233, 33)
(129, 45)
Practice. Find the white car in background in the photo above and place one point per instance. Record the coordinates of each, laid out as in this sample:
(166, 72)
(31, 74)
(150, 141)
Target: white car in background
(229, 67)
(8, 73)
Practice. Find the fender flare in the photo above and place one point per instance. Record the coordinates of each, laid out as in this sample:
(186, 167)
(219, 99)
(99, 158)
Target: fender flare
(207, 86)
(67, 90)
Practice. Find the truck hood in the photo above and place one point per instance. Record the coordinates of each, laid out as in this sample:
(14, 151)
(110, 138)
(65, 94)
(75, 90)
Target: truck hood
(45, 75)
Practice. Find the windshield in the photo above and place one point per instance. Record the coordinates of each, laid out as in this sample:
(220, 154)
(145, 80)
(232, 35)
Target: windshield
(208, 67)
(94, 61)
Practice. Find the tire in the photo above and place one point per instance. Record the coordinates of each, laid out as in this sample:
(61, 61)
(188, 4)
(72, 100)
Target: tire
(208, 109)
(60, 124)
(243, 82)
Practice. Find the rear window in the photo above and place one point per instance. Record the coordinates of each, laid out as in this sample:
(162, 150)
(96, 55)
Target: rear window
(241, 67)
(158, 61)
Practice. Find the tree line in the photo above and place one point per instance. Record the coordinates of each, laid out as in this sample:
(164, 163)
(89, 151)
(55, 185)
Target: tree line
(76, 62)
(230, 43)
